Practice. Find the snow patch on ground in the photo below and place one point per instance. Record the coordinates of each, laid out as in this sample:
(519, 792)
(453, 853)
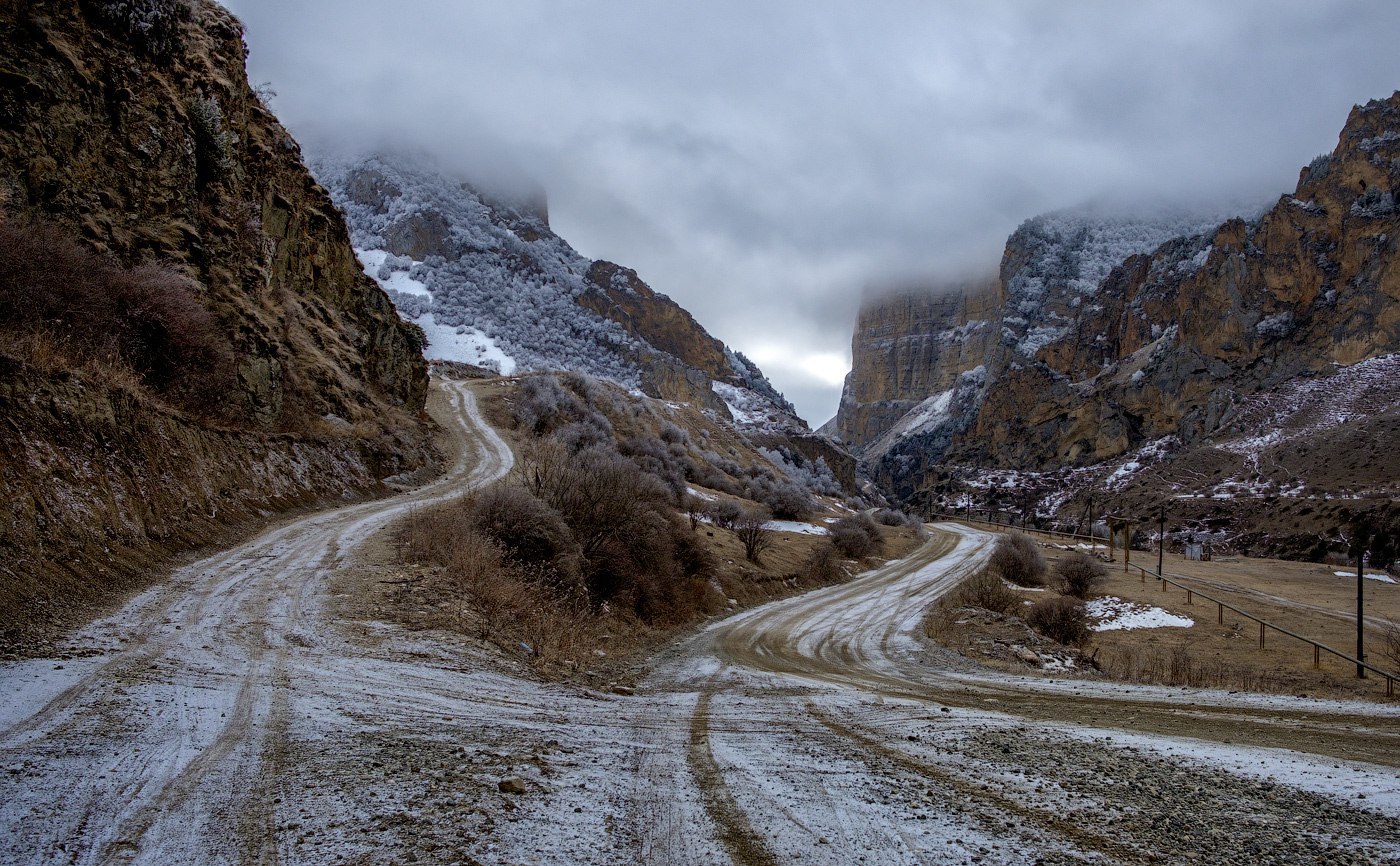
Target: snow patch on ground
(1383, 578)
(1115, 614)
(795, 526)
(397, 280)
(465, 344)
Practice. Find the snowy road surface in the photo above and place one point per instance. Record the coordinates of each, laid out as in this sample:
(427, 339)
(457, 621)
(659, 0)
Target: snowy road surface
(229, 718)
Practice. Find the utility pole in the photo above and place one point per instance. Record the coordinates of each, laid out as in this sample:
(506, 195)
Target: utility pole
(1360, 607)
(1161, 535)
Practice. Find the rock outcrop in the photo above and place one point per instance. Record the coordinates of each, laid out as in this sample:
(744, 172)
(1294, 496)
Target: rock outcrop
(134, 126)
(1099, 366)
(132, 129)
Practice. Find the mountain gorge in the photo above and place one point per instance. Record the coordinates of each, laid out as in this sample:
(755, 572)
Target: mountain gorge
(1107, 346)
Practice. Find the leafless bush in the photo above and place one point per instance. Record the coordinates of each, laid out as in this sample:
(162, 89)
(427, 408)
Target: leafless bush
(544, 404)
(1079, 574)
(1060, 619)
(783, 498)
(752, 529)
(856, 536)
(822, 567)
(148, 319)
(724, 513)
(891, 517)
(1018, 559)
(1390, 644)
(674, 435)
(527, 529)
(986, 590)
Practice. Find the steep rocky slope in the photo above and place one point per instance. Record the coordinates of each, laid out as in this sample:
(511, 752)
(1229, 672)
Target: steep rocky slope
(490, 283)
(129, 130)
(133, 125)
(1156, 357)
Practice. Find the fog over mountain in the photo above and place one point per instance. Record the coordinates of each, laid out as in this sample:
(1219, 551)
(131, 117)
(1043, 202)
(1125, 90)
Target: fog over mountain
(764, 164)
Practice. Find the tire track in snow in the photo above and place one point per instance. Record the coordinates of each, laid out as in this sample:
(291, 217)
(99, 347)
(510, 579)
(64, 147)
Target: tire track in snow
(744, 845)
(875, 750)
(199, 693)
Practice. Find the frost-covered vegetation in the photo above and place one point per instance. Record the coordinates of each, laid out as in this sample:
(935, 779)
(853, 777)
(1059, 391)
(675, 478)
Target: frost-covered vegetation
(487, 272)
(152, 25)
(1069, 253)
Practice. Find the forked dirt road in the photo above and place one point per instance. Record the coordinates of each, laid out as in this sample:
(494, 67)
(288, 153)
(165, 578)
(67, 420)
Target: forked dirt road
(229, 717)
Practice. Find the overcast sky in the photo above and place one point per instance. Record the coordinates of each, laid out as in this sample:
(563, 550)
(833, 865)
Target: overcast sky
(763, 161)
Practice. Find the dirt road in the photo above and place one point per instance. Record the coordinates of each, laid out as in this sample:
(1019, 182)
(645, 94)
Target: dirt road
(230, 718)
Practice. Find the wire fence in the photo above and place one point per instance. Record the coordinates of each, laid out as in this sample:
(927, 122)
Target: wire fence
(1192, 593)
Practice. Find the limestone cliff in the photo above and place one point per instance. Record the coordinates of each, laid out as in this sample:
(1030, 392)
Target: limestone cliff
(910, 346)
(1103, 363)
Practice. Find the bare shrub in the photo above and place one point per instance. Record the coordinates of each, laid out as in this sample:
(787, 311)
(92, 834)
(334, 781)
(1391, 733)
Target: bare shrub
(856, 536)
(1079, 574)
(822, 567)
(527, 529)
(752, 529)
(674, 435)
(148, 319)
(891, 517)
(1390, 644)
(724, 513)
(1017, 558)
(986, 590)
(785, 499)
(1060, 619)
(544, 404)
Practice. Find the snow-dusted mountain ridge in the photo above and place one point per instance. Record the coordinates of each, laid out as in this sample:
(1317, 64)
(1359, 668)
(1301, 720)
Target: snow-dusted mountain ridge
(491, 284)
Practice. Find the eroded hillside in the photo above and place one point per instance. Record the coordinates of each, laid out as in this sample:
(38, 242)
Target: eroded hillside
(188, 339)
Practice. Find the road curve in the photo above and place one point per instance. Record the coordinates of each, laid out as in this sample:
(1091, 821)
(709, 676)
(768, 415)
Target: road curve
(157, 750)
(838, 684)
(231, 718)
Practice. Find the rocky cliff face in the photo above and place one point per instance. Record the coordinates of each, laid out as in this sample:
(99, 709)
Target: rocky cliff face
(133, 125)
(1106, 362)
(912, 346)
(492, 284)
(129, 129)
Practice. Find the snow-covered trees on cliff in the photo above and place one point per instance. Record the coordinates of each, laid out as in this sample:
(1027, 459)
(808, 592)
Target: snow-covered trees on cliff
(493, 274)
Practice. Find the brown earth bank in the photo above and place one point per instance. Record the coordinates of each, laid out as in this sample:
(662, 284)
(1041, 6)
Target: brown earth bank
(188, 344)
(105, 488)
(1220, 649)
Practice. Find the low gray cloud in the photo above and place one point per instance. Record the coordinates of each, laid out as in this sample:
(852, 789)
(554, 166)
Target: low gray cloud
(763, 162)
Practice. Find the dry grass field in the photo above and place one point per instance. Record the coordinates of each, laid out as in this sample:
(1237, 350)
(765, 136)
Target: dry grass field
(1307, 598)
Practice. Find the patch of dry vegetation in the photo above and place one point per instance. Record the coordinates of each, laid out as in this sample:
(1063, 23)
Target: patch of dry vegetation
(64, 308)
(595, 546)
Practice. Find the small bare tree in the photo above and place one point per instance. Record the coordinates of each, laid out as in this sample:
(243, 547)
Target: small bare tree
(1079, 575)
(752, 529)
(1390, 644)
